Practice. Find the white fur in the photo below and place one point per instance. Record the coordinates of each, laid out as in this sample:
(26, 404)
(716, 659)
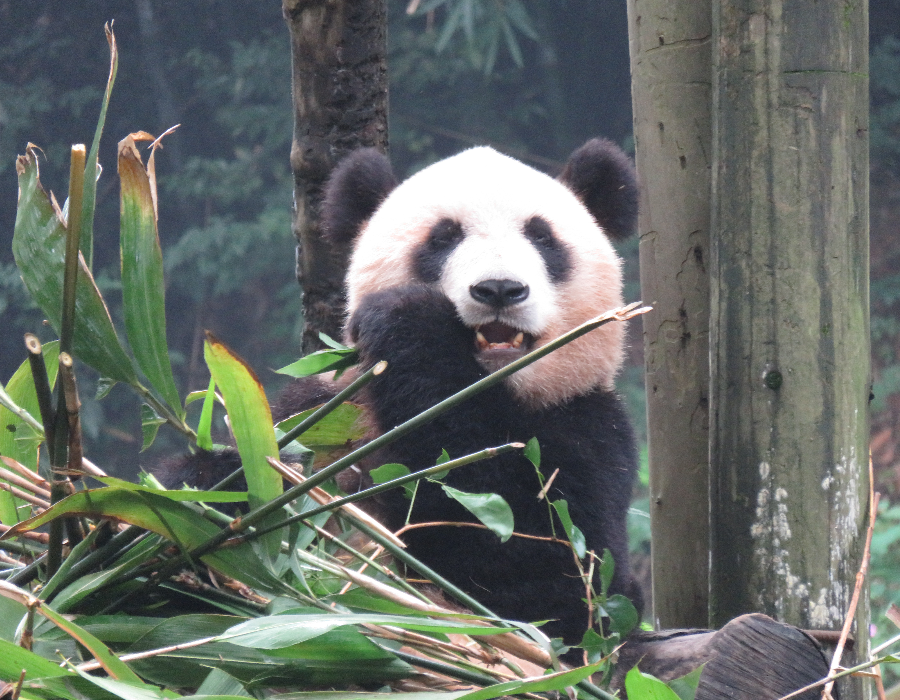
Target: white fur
(492, 196)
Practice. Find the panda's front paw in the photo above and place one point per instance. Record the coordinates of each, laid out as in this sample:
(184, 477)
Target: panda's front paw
(413, 320)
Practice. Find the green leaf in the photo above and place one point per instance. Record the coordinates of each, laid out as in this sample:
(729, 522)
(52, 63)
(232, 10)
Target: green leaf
(219, 683)
(532, 452)
(343, 425)
(321, 361)
(39, 247)
(143, 288)
(91, 170)
(179, 495)
(643, 686)
(110, 662)
(165, 517)
(331, 342)
(14, 658)
(279, 631)
(686, 686)
(623, 617)
(552, 681)
(20, 390)
(607, 569)
(594, 645)
(150, 422)
(251, 423)
(389, 472)
(573, 533)
(492, 510)
(204, 427)
(104, 386)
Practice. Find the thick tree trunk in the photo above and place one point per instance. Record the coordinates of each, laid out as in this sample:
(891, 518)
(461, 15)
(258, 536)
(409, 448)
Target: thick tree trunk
(671, 65)
(789, 314)
(338, 49)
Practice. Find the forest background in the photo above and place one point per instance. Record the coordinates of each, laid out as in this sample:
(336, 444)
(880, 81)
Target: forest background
(533, 78)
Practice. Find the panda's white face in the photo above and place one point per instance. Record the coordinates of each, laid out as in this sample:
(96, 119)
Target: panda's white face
(516, 252)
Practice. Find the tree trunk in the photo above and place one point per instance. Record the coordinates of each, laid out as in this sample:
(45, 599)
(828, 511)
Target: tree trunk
(789, 314)
(671, 67)
(338, 50)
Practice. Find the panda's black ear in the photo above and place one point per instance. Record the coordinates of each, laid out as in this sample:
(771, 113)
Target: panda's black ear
(603, 178)
(356, 188)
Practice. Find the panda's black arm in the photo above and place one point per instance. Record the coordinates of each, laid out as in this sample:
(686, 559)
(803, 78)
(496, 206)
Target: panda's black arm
(430, 355)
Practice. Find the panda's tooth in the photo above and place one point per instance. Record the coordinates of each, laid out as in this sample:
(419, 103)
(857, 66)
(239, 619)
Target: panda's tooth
(518, 340)
(482, 342)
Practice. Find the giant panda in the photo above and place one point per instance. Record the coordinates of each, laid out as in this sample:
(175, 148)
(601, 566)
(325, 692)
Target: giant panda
(457, 271)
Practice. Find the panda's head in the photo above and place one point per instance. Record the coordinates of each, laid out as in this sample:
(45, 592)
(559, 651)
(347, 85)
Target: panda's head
(523, 257)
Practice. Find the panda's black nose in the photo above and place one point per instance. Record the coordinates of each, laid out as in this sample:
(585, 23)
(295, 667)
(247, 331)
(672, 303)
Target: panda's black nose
(499, 293)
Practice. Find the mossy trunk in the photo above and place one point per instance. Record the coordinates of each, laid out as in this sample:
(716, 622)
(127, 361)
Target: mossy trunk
(338, 50)
(671, 65)
(789, 314)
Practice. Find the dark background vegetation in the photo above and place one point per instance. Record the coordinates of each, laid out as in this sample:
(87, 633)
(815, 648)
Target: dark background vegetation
(221, 68)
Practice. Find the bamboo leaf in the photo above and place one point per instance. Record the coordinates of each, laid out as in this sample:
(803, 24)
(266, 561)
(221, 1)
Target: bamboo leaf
(647, 687)
(623, 616)
(92, 169)
(14, 658)
(321, 361)
(165, 517)
(150, 422)
(143, 288)
(279, 631)
(573, 533)
(541, 684)
(492, 510)
(532, 452)
(39, 247)
(251, 423)
(607, 569)
(109, 661)
(180, 495)
(204, 427)
(343, 425)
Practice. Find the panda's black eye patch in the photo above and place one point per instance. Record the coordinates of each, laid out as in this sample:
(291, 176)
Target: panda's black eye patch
(429, 259)
(552, 250)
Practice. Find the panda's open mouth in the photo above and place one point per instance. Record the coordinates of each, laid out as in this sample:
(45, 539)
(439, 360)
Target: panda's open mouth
(497, 344)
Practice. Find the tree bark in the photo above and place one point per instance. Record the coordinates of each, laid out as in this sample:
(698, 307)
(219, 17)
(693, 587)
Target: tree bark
(338, 50)
(789, 314)
(671, 65)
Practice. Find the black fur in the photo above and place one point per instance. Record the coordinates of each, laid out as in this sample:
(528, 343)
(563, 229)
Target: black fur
(604, 179)
(357, 187)
(553, 251)
(430, 257)
(430, 356)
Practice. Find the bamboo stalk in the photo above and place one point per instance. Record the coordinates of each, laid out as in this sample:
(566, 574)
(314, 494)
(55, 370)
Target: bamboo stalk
(41, 384)
(343, 502)
(21, 482)
(25, 495)
(25, 472)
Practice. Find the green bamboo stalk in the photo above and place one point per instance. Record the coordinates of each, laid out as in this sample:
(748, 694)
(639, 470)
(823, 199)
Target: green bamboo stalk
(73, 238)
(388, 485)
